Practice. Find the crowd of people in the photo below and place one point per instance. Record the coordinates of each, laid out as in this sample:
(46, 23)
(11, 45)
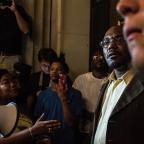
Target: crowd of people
(103, 106)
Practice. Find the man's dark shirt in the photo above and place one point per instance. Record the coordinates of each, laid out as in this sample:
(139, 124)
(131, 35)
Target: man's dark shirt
(34, 82)
(10, 34)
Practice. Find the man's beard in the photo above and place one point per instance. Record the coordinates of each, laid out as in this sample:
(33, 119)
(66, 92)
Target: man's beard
(115, 65)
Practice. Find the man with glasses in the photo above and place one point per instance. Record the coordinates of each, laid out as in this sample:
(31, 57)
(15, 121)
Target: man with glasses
(119, 115)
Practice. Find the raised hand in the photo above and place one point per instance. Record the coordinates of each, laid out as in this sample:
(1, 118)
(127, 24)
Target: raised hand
(13, 6)
(44, 127)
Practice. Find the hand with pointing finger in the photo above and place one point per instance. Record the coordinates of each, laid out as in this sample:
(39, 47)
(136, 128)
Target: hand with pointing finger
(44, 127)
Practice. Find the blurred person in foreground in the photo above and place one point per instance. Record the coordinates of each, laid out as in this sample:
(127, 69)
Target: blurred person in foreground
(132, 12)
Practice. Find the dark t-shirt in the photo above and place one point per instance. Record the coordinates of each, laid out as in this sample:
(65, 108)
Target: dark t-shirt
(10, 34)
(34, 82)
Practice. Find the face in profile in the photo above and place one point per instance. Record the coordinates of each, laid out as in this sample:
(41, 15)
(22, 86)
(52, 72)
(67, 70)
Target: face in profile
(55, 69)
(133, 13)
(15, 87)
(114, 48)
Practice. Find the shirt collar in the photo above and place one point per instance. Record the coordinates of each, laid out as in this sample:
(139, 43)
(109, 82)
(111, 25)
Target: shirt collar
(126, 77)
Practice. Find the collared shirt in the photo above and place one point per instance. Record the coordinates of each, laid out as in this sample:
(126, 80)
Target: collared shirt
(112, 95)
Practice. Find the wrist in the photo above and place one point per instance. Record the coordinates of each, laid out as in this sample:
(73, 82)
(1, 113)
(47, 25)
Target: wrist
(30, 132)
(15, 11)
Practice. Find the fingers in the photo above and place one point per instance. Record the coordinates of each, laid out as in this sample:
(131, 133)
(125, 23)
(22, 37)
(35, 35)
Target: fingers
(40, 118)
(52, 129)
(52, 126)
(50, 123)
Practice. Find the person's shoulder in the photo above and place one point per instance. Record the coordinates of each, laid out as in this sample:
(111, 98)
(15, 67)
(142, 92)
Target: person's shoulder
(48, 93)
(81, 77)
(84, 75)
(73, 92)
(72, 89)
(35, 74)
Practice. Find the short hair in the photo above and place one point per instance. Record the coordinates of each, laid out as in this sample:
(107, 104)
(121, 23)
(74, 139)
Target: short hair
(47, 54)
(63, 62)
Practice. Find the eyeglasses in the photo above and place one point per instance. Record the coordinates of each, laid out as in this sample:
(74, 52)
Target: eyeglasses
(108, 40)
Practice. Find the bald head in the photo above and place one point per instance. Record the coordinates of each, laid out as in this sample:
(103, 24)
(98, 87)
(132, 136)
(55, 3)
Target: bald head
(114, 29)
(114, 48)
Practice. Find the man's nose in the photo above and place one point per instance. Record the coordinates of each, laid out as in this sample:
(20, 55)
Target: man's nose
(112, 44)
(126, 7)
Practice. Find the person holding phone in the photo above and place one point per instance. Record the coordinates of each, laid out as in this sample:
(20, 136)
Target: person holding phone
(14, 24)
(61, 102)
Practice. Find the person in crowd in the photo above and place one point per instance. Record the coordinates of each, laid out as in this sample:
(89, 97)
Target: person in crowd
(132, 12)
(61, 102)
(119, 114)
(89, 85)
(23, 71)
(40, 80)
(14, 24)
(25, 132)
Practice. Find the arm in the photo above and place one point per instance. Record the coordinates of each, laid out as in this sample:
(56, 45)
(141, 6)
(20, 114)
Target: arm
(40, 128)
(68, 116)
(22, 24)
(16, 138)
